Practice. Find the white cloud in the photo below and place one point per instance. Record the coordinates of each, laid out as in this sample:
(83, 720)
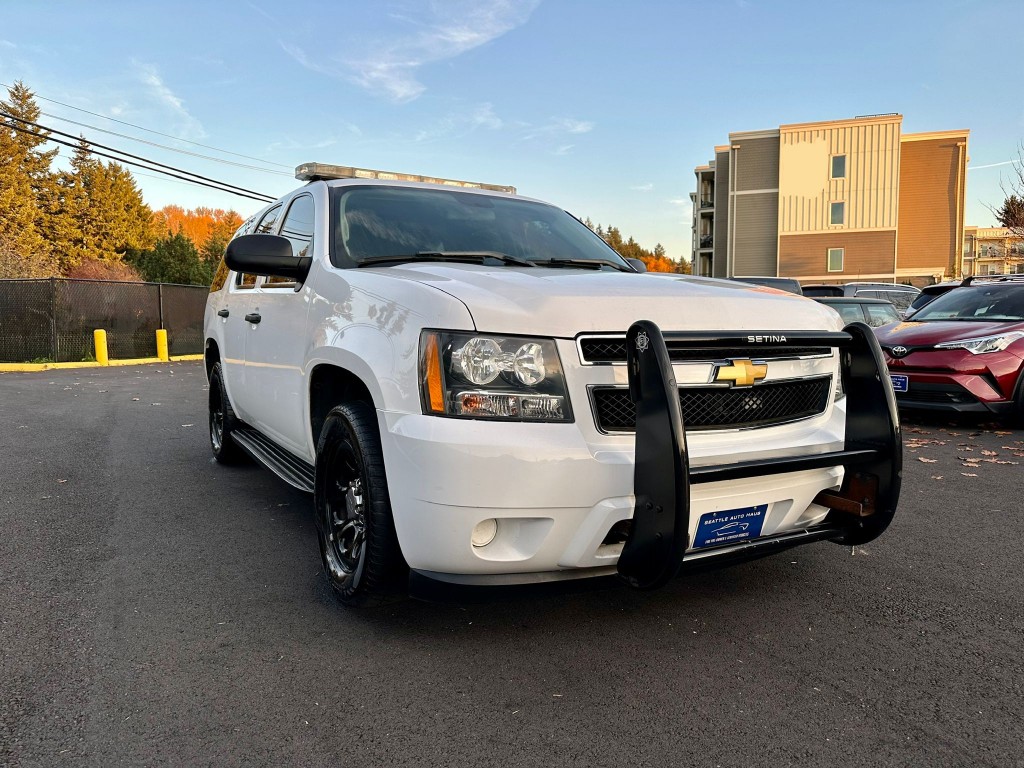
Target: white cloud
(643, 187)
(461, 122)
(557, 126)
(187, 126)
(442, 30)
(7, 44)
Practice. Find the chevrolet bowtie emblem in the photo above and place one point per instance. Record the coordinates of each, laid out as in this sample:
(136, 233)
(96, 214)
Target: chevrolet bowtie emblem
(741, 373)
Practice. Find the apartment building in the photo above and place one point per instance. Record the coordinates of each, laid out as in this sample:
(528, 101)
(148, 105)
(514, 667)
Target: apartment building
(833, 201)
(992, 251)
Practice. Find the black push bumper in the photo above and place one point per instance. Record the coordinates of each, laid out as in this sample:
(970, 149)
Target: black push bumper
(872, 455)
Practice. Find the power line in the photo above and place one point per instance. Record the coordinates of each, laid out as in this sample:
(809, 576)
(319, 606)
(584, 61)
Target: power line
(164, 146)
(150, 130)
(121, 152)
(254, 196)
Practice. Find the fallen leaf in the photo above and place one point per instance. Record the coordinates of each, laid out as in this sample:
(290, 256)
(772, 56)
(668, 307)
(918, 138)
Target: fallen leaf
(1003, 432)
(62, 481)
(135, 399)
(936, 477)
(188, 425)
(989, 453)
(927, 461)
(968, 474)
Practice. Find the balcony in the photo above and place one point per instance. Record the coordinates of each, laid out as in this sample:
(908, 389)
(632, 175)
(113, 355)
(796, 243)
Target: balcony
(706, 241)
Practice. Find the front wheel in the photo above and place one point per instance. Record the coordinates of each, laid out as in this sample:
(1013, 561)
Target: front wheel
(223, 421)
(358, 544)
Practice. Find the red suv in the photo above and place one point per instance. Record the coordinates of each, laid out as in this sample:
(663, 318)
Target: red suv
(964, 351)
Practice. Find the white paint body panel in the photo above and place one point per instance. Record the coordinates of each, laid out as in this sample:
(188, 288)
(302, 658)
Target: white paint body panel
(555, 489)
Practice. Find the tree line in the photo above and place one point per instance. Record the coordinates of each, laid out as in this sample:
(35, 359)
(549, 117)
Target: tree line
(655, 261)
(90, 220)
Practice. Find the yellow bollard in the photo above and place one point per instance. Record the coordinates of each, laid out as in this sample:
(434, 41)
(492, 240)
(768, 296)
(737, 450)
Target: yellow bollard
(161, 345)
(99, 338)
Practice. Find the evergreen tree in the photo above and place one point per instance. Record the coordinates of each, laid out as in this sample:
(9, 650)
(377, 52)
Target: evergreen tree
(24, 180)
(173, 259)
(109, 215)
(1011, 213)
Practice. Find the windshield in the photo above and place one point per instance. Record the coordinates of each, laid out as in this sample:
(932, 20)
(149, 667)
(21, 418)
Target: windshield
(992, 303)
(377, 222)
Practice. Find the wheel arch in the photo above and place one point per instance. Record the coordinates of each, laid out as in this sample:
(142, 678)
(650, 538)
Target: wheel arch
(211, 355)
(330, 385)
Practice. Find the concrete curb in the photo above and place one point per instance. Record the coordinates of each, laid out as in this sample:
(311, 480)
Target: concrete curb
(33, 367)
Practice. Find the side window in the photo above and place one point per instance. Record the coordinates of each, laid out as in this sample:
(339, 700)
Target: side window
(298, 228)
(850, 313)
(879, 314)
(900, 299)
(265, 226)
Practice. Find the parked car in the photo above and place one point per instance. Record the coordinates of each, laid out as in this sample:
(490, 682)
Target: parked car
(788, 284)
(901, 296)
(475, 388)
(855, 309)
(930, 292)
(963, 351)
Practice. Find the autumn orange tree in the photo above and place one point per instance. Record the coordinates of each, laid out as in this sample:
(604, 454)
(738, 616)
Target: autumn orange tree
(655, 261)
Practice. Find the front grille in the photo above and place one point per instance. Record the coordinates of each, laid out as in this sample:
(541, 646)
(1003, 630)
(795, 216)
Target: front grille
(612, 350)
(706, 408)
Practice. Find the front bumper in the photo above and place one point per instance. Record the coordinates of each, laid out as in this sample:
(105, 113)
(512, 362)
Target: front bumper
(955, 380)
(559, 498)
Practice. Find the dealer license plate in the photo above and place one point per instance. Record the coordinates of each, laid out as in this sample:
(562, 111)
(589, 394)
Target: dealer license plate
(729, 526)
(899, 383)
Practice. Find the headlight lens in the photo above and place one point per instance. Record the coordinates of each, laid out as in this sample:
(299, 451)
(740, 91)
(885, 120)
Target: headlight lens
(482, 376)
(984, 344)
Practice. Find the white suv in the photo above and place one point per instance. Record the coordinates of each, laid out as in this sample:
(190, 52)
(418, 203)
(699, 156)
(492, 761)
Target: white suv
(476, 388)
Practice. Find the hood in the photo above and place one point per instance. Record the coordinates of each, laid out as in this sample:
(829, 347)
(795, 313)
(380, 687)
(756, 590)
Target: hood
(565, 302)
(928, 334)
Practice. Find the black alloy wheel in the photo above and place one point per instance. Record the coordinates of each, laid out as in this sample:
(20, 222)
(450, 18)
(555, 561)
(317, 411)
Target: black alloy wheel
(358, 544)
(223, 421)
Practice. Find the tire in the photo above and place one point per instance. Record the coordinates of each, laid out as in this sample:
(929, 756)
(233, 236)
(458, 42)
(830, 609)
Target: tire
(358, 545)
(223, 421)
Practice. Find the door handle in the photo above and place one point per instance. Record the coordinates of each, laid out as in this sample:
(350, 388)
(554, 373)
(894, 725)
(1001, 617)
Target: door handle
(253, 317)
(223, 313)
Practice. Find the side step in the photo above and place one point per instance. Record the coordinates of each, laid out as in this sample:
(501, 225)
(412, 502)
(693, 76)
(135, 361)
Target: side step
(293, 470)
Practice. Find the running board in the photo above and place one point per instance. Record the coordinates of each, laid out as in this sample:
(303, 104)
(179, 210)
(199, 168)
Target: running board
(293, 470)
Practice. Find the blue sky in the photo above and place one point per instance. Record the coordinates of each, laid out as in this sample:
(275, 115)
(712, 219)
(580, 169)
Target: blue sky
(601, 107)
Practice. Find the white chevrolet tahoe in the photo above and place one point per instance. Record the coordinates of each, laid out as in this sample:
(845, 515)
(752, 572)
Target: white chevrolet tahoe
(476, 389)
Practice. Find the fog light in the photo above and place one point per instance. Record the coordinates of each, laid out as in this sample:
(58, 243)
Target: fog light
(484, 532)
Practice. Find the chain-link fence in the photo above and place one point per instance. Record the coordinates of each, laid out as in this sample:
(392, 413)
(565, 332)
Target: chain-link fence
(54, 319)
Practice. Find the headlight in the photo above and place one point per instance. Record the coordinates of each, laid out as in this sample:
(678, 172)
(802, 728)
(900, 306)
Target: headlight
(481, 376)
(984, 344)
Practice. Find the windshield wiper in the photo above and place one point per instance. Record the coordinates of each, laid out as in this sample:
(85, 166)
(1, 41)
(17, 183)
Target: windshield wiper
(582, 263)
(459, 257)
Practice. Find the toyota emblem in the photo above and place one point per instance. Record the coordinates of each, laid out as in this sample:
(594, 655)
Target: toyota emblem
(899, 351)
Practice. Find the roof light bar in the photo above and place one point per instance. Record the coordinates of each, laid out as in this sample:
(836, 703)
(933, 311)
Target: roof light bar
(326, 172)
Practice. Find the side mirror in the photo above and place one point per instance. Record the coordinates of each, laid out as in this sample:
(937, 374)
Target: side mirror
(267, 255)
(637, 264)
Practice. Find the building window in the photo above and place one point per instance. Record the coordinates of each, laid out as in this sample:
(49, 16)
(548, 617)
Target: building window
(837, 213)
(835, 259)
(838, 166)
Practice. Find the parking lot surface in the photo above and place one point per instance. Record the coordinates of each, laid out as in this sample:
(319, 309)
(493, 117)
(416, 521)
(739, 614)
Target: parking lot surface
(160, 609)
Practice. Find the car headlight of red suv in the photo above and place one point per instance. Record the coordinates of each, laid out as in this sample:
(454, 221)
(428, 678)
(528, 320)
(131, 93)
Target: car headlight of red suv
(984, 344)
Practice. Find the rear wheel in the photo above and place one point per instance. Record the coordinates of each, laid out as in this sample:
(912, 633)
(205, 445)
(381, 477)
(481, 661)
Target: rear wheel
(358, 544)
(223, 421)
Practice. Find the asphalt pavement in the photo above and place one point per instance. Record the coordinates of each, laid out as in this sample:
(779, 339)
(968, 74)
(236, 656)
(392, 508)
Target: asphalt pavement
(159, 609)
